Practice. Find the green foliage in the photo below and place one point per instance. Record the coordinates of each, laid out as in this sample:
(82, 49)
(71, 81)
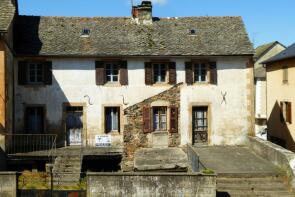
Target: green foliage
(208, 171)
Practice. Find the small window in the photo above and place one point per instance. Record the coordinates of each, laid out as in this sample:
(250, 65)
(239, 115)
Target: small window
(160, 118)
(192, 32)
(112, 119)
(285, 75)
(85, 33)
(200, 72)
(34, 120)
(112, 72)
(286, 112)
(160, 73)
(35, 73)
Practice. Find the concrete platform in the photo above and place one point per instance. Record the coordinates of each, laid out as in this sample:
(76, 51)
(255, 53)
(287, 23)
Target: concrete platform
(160, 159)
(234, 159)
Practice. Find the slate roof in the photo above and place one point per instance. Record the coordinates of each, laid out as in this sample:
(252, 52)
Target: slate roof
(121, 36)
(7, 11)
(286, 54)
(260, 50)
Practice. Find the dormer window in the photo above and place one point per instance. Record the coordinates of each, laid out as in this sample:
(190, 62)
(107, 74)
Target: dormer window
(192, 32)
(85, 33)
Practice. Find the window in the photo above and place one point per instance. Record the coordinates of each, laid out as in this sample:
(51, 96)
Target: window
(160, 73)
(286, 112)
(34, 120)
(192, 32)
(85, 33)
(160, 118)
(285, 75)
(200, 72)
(35, 73)
(112, 72)
(112, 119)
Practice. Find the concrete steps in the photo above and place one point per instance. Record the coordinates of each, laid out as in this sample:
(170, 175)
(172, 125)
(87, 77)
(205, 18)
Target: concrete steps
(253, 185)
(67, 169)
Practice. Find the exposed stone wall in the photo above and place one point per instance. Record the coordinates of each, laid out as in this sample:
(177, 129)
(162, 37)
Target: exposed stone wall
(134, 137)
(146, 185)
(8, 184)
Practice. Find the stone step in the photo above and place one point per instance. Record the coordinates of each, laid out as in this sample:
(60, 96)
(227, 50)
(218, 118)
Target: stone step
(238, 193)
(270, 187)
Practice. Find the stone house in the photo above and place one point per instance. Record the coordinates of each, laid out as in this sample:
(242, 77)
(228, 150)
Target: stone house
(136, 82)
(262, 53)
(280, 75)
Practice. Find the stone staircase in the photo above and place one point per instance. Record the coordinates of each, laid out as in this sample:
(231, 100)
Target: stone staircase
(253, 185)
(66, 169)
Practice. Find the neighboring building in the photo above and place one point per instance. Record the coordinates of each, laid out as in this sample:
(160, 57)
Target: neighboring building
(262, 53)
(8, 10)
(280, 98)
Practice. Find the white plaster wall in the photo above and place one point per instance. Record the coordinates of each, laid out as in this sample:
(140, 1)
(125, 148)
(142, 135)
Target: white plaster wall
(75, 78)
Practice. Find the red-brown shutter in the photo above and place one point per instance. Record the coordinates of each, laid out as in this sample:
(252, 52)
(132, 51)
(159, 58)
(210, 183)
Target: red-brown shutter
(48, 73)
(289, 112)
(148, 73)
(281, 112)
(22, 72)
(123, 73)
(173, 119)
(188, 73)
(172, 73)
(213, 73)
(100, 73)
(146, 114)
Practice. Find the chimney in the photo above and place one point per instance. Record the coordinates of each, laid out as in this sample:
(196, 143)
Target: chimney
(142, 14)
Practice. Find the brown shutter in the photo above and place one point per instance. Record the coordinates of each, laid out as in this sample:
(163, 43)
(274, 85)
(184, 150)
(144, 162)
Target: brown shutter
(146, 119)
(289, 112)
(213, 73)
(173, 119)
(100, 73)
(48, 73)
(188, 73)
(281, 112)
(123, 73)
(148, 73)
(22, 72)
(172, 73)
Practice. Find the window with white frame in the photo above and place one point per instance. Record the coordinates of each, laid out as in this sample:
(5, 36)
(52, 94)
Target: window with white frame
(112, 119)
(160, 73)
(200, 72)
(160, 118)
(112, 72)
(35, 73)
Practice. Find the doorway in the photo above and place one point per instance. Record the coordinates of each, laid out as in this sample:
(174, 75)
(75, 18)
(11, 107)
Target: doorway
(74, 125)
(200, 125)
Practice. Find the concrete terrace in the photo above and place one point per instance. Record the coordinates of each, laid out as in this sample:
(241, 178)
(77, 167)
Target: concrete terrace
(234, 159)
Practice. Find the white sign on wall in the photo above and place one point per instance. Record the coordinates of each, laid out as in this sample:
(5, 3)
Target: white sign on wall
(103, 141)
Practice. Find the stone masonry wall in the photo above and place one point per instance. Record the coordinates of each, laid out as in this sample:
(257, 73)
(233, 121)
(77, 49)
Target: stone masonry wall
(8, 184)
(134, 137)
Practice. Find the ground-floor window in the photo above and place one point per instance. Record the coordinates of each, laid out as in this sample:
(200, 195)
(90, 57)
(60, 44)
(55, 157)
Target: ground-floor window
(112, 119)
(160, 119)
(34, 117)
(200, 124)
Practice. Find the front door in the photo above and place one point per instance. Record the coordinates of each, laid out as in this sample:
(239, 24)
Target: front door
(74, 125)
(200, 125)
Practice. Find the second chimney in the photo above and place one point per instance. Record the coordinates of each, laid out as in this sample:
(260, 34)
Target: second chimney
(143, 14)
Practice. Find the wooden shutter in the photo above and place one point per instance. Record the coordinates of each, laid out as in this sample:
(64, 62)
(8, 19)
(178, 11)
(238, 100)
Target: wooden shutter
(285, 74)
(173, 119)
(213, 73)
(100, 73)
(282, 112)
(48, 73)
(172, 73)
(146, 119)
(148, 73)
(22, 72)
(123, 73)
(188, 73)
(289, 112)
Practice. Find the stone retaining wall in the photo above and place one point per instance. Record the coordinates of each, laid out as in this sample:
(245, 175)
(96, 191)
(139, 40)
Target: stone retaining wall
(275, 154)
(150, 185)
(8, 184)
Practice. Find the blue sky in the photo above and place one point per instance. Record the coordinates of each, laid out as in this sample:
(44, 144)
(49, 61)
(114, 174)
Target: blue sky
(266, 20)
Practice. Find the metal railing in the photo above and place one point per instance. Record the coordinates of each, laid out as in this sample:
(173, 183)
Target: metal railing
(29, 143)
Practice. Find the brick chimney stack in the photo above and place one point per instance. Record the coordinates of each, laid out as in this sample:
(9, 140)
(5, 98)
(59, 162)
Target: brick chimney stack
(143, 14)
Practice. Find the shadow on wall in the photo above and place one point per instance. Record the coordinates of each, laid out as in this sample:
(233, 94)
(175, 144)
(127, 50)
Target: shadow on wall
(278, 131)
